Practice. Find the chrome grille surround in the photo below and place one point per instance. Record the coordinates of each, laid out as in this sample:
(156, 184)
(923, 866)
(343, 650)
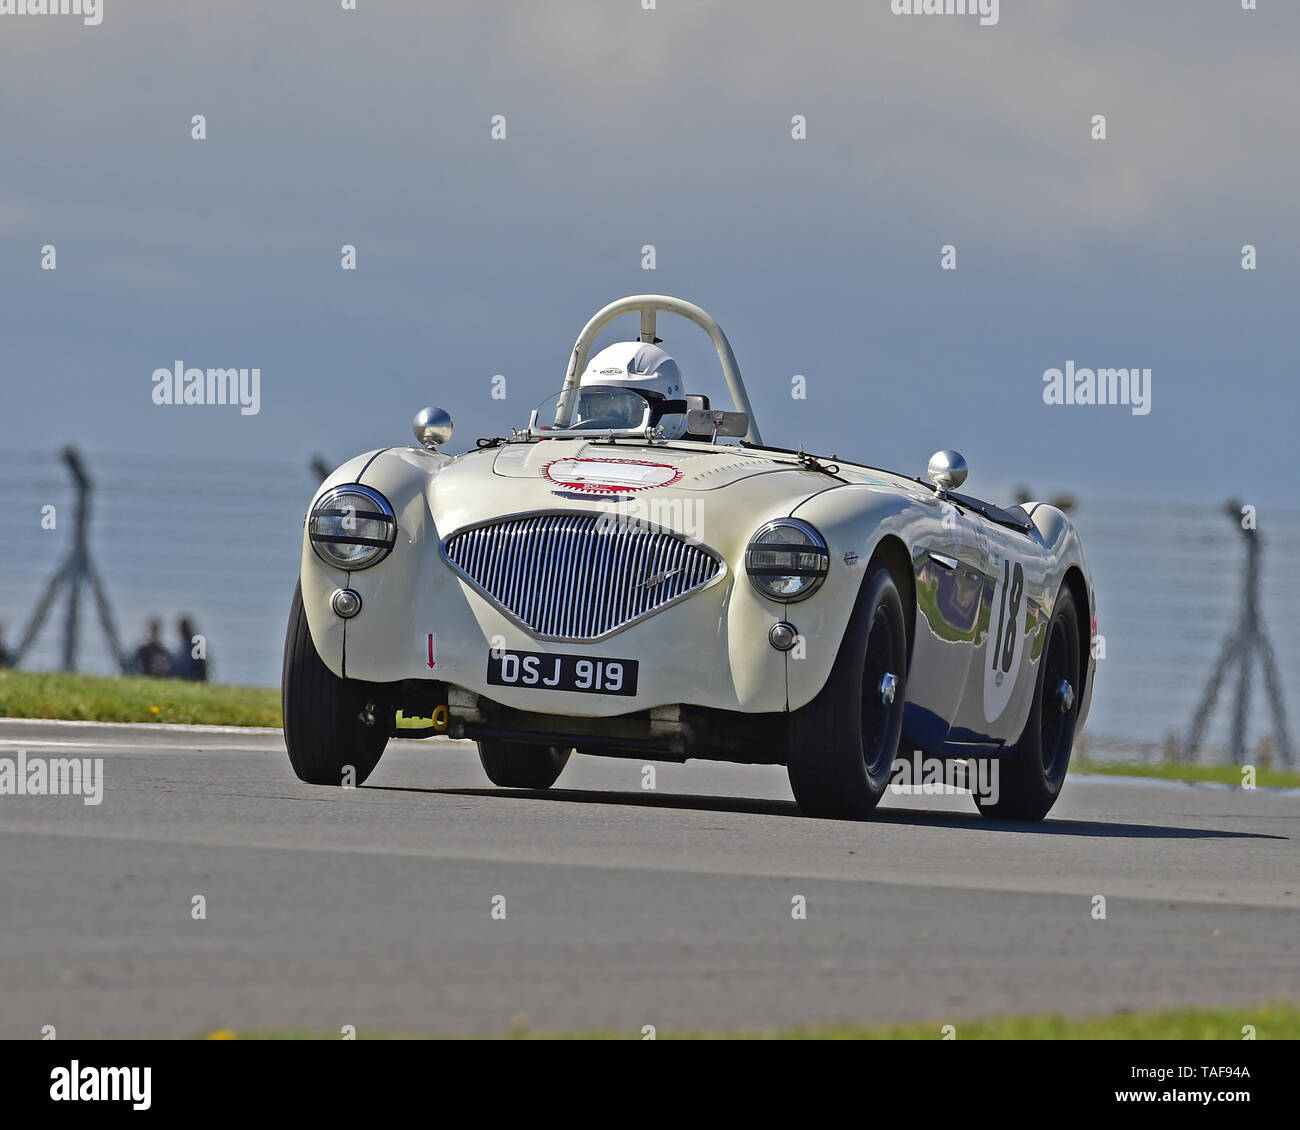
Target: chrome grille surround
(570, 575)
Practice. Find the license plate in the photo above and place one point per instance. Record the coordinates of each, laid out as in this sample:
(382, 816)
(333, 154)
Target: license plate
(541, 671)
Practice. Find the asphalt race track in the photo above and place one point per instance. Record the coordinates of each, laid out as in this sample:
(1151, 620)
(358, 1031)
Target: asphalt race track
(624, 907)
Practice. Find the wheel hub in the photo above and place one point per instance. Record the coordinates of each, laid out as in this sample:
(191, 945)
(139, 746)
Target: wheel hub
(888, 688)
(1065, 696)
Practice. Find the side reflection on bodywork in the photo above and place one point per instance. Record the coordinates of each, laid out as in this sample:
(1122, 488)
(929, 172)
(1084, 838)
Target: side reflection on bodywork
(949, 606)
(949, 599)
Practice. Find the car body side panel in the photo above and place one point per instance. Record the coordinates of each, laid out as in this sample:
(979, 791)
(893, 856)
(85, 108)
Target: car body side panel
(949, 607)
(1059, 533)
(1000, 691)
(854, 519)
(1020, 580)
(954, 704)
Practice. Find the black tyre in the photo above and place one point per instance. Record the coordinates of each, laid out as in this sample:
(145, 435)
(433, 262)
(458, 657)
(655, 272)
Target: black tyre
(1030, 777)
(522, 765)
(330, 724)
(843, 743)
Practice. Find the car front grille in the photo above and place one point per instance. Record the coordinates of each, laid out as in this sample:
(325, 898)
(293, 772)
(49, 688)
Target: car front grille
(568, 576)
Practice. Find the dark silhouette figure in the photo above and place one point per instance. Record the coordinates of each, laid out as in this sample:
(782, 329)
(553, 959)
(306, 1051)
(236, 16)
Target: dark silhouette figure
(151, 657)
(188, 664)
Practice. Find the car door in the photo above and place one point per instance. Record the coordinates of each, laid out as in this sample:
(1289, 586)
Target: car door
(950, 580)
(1000, 684)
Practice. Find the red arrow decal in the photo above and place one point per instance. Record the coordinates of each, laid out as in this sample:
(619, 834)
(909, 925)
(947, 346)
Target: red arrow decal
(432, 660)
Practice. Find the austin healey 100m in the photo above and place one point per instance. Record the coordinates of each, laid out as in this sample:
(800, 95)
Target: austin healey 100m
(635, 573)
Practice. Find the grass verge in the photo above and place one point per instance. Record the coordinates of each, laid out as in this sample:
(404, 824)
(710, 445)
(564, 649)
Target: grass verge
(128, 698)
(1270, 1022)
(1220, 774)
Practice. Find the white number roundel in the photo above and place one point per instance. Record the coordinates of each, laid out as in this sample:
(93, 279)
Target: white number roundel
(610, 476)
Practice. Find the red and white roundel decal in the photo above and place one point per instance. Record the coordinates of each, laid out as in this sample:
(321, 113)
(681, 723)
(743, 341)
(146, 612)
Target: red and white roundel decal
(609, 476)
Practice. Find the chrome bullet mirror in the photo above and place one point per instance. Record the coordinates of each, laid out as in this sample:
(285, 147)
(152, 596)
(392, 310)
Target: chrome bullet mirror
(432, 427)
(947, 471)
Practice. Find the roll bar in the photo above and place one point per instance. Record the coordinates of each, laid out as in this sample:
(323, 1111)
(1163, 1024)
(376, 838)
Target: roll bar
(649, 306)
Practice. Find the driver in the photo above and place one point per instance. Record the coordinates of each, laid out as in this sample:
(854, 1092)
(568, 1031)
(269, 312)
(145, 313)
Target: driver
(639, 368)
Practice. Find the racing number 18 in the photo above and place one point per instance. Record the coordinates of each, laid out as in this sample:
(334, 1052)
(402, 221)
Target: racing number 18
(1013, 587)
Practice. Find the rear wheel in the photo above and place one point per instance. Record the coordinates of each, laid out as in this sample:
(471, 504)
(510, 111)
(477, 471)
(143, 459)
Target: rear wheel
(522, 765)
(335, 729)
(843, 743)
(1029, 779)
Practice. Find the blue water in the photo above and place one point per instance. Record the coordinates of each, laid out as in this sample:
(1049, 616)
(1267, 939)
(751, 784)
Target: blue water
(219, 540)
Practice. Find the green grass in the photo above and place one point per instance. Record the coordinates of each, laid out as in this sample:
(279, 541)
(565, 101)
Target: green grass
(1271, 1022)
(1170, 771)
(26, 694)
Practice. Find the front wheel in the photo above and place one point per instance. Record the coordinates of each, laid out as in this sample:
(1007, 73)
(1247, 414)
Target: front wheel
(1030, 777)
(335, 729)
(843, 743)
(522, 765)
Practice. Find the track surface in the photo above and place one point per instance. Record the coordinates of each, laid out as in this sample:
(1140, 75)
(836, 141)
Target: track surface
(624, 907)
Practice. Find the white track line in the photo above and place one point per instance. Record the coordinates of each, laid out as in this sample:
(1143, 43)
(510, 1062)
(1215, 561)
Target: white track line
(165, 727)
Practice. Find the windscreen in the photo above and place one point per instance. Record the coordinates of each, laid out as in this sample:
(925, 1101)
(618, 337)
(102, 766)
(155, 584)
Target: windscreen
(595, 408)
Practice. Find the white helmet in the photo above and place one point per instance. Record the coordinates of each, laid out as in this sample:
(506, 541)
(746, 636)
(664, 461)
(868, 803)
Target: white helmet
(645, 368)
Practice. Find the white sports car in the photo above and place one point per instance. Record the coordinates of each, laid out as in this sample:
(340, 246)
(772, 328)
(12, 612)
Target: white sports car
(636, 574)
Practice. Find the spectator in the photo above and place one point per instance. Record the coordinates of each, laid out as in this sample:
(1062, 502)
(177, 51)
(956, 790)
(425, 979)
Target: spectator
(151, 658)
(191, 655)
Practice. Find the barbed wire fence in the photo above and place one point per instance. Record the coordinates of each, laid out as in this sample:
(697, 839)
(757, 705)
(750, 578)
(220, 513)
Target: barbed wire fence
(215, 540)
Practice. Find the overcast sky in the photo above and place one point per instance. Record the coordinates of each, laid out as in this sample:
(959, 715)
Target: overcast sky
(671, 128)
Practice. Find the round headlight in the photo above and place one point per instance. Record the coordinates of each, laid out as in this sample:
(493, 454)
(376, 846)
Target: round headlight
(352, 527)
(787, 559)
